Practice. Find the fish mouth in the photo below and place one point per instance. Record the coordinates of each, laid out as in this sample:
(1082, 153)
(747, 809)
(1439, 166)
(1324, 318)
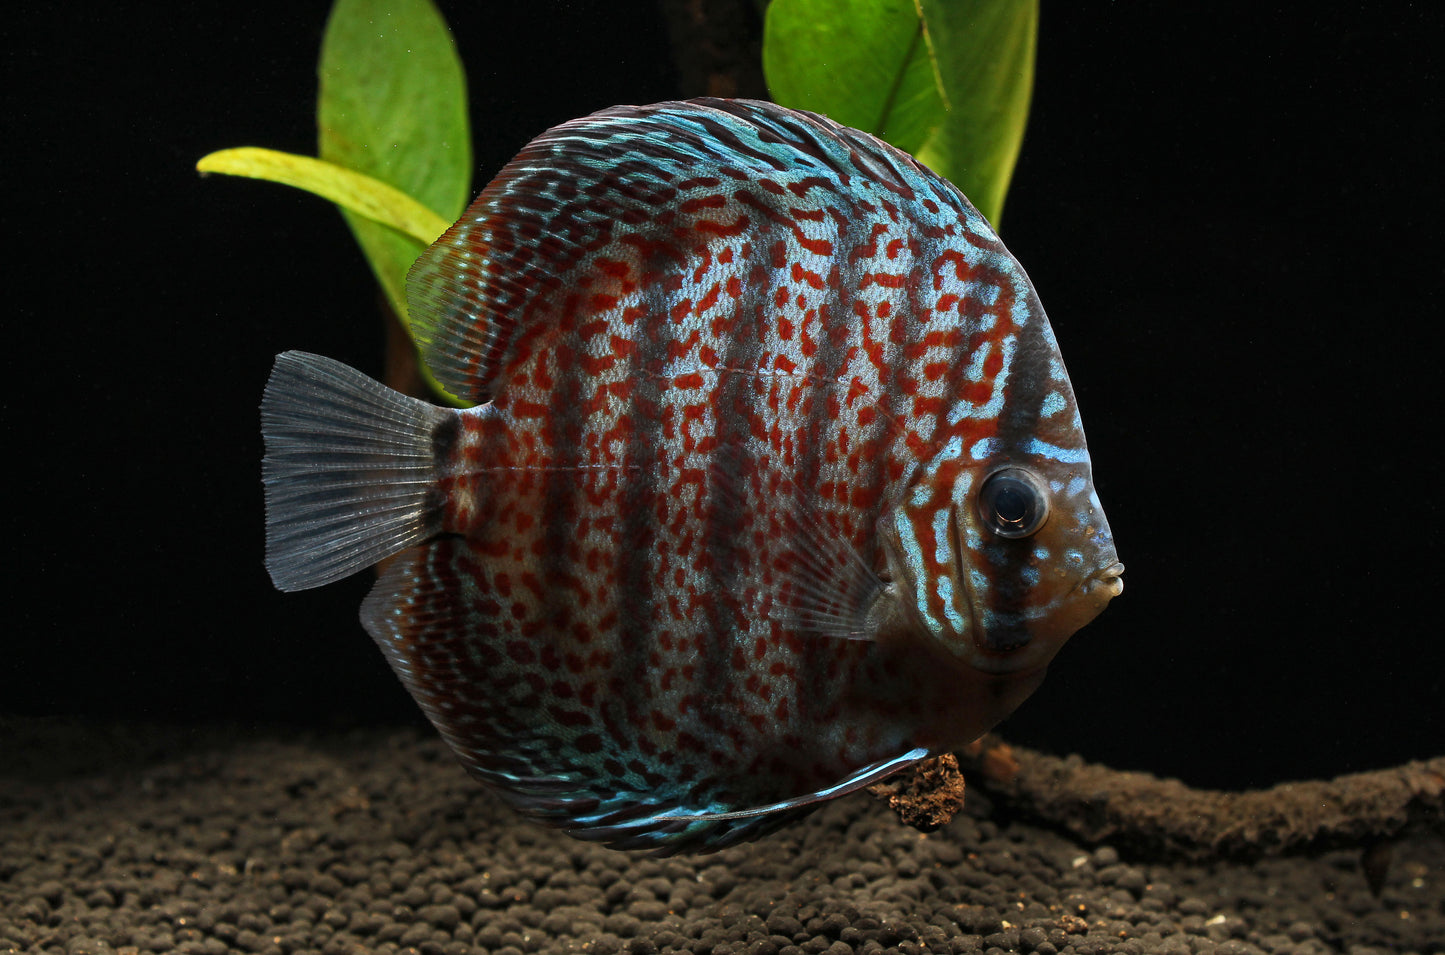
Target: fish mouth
(1031, 653)
(1107, 583)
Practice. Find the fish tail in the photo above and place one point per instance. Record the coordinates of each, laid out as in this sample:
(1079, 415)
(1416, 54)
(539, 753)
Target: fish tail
(350, 470)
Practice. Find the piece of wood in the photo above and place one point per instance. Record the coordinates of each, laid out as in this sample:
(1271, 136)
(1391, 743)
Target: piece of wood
(1165, 819)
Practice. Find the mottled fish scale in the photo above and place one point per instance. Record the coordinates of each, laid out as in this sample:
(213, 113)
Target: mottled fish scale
(719, 349)
(770, 264)
(761, 244)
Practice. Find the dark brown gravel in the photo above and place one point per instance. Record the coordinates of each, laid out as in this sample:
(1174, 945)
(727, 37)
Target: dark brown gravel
(118, 839)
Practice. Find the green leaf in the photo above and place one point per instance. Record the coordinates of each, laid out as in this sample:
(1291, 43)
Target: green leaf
(985, 55)
(353, 191)
(393, 106)
(861, 62)
(946, 80)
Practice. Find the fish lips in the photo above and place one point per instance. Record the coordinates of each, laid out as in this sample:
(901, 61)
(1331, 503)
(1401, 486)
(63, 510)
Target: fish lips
(1025, 646)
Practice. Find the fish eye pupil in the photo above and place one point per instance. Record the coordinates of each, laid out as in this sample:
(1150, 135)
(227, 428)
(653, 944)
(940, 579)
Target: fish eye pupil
(1011, 506)
(1012, 503)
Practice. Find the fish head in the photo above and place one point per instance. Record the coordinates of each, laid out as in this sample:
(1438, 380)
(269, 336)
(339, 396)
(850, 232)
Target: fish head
(996, 563)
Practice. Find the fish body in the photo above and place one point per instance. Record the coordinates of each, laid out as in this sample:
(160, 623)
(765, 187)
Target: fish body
(774, 485)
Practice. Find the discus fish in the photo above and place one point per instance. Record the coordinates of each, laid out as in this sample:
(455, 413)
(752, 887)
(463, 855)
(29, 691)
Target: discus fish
(774, 484)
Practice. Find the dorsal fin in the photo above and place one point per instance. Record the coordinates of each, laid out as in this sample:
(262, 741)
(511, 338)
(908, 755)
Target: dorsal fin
(593, 216)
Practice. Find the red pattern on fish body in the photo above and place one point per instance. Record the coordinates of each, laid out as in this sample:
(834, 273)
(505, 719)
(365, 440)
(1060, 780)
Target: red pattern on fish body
(707, 550)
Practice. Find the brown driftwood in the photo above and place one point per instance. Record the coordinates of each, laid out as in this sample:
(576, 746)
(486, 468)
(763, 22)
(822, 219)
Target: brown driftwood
(1163, 818)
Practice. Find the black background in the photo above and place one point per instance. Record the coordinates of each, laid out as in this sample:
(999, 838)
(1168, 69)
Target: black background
(1234, 221)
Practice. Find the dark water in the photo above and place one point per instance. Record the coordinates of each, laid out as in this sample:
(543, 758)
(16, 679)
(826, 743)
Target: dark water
(1239, 257)
(1233, 223)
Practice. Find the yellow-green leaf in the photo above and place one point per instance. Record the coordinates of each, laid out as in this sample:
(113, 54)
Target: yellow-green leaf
(863, 63)
(393, 105)
(946, 80)
(984, 50)
(353, 191)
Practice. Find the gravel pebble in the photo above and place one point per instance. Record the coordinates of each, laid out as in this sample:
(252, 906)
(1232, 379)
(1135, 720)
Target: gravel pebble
(138, 840)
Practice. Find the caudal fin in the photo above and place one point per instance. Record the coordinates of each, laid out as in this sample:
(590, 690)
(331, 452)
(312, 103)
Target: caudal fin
(348, 467)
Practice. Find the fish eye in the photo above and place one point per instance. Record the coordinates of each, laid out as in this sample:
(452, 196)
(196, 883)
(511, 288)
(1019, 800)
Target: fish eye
(1013, 503)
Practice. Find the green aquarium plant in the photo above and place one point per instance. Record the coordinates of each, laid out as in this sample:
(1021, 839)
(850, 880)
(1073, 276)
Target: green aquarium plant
(394, 140)
(948, 81)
